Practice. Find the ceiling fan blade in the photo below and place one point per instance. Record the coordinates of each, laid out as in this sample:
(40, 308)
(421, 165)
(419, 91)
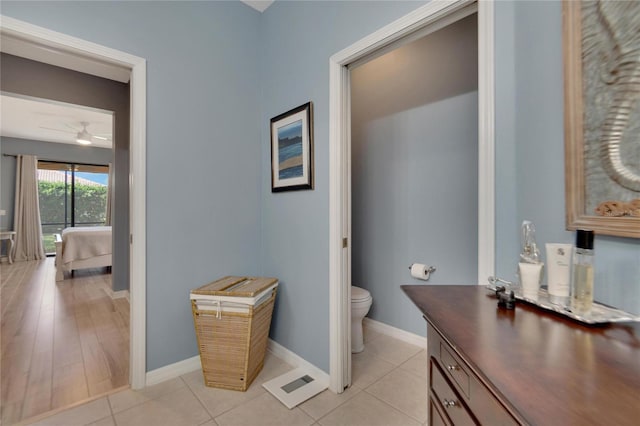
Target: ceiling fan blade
(101, 138)
(57, 130)
(71, 127)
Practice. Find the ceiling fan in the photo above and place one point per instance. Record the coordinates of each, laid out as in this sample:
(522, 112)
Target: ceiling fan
(83, 137)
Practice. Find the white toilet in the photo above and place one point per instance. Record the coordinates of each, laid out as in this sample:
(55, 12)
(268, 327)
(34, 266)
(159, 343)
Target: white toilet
(360, 303)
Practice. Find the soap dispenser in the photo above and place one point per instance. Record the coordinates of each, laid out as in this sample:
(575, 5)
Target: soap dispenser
(530, 252)
(582, 274)
(530, 267)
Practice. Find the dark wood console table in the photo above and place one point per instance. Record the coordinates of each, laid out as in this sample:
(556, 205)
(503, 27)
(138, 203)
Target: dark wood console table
(491, 366)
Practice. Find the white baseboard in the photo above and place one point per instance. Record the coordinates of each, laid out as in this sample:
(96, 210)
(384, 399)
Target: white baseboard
(394, 332)
(295, 360)
(172, 371)
(117, 294)
(179, 368)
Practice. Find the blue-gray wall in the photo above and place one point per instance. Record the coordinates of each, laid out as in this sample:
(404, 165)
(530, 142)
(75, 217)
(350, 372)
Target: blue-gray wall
(414, 128)
(506, 216)
(297, 40)
(218, 71)
(45, 151)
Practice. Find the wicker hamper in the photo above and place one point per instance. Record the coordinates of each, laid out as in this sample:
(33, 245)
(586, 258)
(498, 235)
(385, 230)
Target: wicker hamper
(232, 317)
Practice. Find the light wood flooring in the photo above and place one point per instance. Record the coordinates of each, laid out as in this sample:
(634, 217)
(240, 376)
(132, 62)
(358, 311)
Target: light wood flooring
(62, 342)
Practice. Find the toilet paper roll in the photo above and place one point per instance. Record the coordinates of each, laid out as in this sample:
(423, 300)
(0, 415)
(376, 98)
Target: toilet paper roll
(420, 271)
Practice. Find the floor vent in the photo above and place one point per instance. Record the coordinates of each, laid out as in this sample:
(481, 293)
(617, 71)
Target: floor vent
(295, 387)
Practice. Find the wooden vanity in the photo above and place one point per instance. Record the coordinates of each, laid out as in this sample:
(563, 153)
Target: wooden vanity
(492, 366)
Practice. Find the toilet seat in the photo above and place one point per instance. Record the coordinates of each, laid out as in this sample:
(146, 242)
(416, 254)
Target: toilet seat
(359, 294)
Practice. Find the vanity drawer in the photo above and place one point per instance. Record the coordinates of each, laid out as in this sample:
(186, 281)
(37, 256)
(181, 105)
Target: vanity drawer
(436, 418)
(448, 398)
(485, 406)
(454, 369)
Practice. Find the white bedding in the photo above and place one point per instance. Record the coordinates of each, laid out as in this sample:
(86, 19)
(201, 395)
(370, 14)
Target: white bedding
(81, 243)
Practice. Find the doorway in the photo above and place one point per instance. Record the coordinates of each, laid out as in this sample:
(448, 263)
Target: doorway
(428, 18)
(414, 169)
(79, 346)
(37, 43)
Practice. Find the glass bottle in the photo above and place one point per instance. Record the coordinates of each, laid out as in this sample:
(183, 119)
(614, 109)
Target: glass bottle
(582, 276)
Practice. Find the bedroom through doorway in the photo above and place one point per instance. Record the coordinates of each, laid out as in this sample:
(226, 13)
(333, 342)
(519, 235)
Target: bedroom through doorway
(65, 332)
(72, 194)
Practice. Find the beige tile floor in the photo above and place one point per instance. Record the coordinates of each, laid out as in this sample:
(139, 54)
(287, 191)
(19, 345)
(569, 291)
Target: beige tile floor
(389, 388)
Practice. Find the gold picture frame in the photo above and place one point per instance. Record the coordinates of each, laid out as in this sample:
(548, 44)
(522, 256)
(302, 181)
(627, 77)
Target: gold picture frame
(586, 140)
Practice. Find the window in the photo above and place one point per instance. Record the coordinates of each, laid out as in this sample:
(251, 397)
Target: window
(70, 195)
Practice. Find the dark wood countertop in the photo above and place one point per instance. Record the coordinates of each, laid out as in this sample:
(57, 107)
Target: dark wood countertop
(548, 369)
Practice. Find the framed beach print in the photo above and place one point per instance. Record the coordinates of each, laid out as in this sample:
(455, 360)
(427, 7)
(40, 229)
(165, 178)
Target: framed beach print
(602, 116)
(292, 149)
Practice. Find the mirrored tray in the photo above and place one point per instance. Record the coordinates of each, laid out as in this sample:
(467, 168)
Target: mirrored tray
(599, 314)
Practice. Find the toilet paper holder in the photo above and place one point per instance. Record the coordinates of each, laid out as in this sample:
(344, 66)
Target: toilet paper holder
(428, 271)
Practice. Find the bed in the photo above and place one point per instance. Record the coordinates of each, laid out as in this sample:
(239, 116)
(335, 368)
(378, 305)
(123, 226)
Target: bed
(82, 247)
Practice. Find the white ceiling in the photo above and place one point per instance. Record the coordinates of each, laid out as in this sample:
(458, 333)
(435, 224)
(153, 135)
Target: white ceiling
(42, 120)
(258, 5)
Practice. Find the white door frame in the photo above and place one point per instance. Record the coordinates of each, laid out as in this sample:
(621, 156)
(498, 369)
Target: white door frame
(340, 164)
(98, 55)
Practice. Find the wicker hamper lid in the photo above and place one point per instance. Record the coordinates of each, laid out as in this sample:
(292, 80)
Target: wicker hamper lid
(236, 286)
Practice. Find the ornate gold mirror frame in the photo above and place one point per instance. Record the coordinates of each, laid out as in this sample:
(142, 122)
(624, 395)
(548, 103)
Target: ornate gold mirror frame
(602, 116)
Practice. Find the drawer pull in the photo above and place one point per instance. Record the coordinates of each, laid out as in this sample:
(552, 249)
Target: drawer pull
(453, 367)
(449, 403)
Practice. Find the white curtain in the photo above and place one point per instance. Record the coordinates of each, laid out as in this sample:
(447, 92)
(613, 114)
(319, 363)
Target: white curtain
(26, 216)
(109, 196)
